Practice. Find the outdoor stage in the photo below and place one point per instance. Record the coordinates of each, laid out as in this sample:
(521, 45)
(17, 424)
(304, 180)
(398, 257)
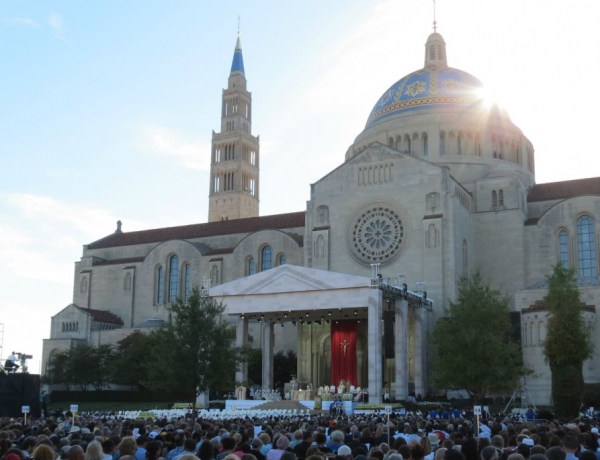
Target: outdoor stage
(18, 390)
(250, 404)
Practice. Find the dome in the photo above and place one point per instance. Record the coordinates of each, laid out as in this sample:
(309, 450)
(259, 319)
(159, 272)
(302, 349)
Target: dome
(432, 86)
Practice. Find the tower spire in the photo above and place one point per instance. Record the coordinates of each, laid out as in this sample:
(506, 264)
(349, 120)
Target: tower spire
(238, 59)
(234, 167)
(238, 43)
(435, 48)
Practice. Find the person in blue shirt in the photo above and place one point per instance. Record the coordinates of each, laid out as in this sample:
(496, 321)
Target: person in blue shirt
(140, 453)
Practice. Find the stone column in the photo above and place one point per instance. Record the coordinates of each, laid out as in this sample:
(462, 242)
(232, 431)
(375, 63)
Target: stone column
(374, 346)
(419, 351)
(401, 349)
(241, 340)
(267, 354)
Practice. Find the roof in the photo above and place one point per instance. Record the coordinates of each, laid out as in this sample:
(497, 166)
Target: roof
(564, 189)
(580, 281)
(150, 323)
(126, 260)
(102, 316)
(436, 86)
(540, 305)
(227, 227)
(237, 65)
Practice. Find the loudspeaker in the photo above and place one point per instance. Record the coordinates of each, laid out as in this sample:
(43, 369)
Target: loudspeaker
(17, 390)
(388, 334)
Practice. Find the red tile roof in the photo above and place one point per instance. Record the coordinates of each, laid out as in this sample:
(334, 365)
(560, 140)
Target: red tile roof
(184, 232)
(564, 189)
(103, 316)
(126, 260)
(540, 305)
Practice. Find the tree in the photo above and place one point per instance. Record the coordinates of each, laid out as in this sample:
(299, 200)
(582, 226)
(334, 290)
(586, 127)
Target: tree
(474, 344)
(285, 365)
(83, 365)
(130, 361)
(195, 352)
(57, 372)
(254, 361)
(89, 365)
(567, 341)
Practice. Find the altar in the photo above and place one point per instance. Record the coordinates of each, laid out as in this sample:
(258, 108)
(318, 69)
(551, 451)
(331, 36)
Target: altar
(302, 395)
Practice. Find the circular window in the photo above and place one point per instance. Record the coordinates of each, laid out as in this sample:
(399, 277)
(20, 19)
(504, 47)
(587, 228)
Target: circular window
(375, 234)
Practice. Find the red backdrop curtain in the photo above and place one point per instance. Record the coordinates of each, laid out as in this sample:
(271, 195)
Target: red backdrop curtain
(343, 352)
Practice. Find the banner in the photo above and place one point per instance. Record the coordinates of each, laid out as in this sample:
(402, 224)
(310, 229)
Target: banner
(343, 353)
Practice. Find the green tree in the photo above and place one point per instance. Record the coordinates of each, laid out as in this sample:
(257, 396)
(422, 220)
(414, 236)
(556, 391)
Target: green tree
(567, 341)
(57, 370)
(131, 360)
(196, 351)
(284, 365)
(474, 344)
(88, 365)
(253, 358)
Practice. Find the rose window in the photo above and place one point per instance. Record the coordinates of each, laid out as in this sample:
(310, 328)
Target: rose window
(375, 235)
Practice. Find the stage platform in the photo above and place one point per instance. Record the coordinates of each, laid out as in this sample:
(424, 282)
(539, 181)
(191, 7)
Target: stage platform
(250, 404)
(18, 390)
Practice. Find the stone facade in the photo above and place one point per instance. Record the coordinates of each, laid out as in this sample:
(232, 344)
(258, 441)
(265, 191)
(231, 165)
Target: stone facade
(438, 185)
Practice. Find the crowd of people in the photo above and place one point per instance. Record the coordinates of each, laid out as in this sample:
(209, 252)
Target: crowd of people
(104, 436)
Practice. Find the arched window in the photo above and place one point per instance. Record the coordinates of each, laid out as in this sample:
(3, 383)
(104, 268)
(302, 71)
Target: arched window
(160, 285)
(494, 198)
(281, 260)
(501, 198)
(532, 340)
(187, 280)
(586, 247)
(452, 143)
(173, 278)
(442, 143)
(127, 282)
(251, 267)
(563, 245)
(214, 275)
(425, 145)
(266, 262)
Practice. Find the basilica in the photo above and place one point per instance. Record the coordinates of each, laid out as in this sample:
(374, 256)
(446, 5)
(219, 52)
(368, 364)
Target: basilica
(439, 184)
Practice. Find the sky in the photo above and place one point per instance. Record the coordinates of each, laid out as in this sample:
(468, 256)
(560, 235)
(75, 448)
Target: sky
(107, 110)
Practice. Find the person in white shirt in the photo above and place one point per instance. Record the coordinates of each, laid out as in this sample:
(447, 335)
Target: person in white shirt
(11, 362)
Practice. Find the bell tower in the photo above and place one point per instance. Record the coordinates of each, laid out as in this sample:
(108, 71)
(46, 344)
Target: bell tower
(234, 165)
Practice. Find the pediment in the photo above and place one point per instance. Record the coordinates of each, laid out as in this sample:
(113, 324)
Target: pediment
(287, 279)
(67, 310)
(377, 152)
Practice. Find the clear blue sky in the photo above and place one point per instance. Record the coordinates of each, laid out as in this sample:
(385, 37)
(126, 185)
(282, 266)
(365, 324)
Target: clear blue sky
(108, 107)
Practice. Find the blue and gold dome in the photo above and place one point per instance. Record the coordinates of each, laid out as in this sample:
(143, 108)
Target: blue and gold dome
(435, 85)
(429, 87)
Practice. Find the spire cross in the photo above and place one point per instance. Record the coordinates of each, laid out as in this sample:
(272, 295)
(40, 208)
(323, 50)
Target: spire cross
(239, 20)
(434, 21)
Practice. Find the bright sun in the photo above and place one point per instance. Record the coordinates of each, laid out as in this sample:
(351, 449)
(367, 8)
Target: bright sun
(488, 97)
